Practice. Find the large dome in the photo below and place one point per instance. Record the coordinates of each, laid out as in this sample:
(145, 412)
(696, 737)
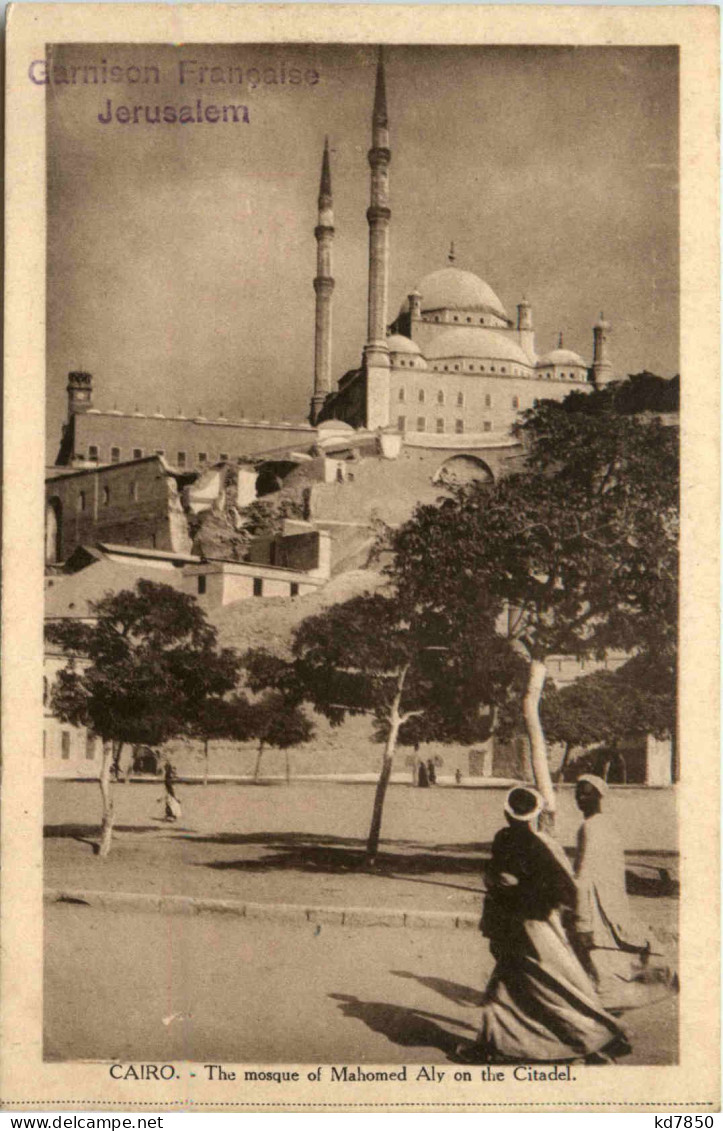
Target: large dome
(453, 289)
(479, 344)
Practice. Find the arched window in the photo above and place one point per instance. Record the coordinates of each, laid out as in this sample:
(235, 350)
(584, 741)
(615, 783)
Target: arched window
(440, 396)
(106, 496)
(81, 501)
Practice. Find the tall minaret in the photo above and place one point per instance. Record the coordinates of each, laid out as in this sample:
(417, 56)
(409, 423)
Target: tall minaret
(602, 366)
(376, 352)
(324, 287)
(525, 330)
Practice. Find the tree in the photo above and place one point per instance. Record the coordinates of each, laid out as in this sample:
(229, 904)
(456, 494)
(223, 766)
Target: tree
(419, 680)
(140, 673)
(578, 553)
(639, 698)
(277, 723)
(276, 716)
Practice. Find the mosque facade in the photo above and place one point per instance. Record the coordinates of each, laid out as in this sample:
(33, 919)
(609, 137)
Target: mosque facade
(452, 362)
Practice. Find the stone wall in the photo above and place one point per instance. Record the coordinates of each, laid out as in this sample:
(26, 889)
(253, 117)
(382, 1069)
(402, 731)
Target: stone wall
(212, 439)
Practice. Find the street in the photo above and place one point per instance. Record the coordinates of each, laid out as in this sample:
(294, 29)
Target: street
(130, 986)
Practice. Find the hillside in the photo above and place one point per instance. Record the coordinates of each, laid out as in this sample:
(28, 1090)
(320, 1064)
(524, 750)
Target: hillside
(269, 622)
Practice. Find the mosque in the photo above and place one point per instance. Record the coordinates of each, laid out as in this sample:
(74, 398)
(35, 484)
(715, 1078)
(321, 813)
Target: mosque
(451, 371)
(452, 361)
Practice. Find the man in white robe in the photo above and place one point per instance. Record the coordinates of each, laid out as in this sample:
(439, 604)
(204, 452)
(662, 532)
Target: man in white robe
(605, 931)
(614, 946)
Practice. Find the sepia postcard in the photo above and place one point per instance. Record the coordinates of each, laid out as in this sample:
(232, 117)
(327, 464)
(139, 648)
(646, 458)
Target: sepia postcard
(360, 560)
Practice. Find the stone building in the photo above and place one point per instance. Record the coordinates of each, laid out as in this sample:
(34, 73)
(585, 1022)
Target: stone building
(93, 437)
(137, 502)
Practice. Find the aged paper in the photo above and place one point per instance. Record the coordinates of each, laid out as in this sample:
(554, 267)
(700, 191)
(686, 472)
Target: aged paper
(105, 199)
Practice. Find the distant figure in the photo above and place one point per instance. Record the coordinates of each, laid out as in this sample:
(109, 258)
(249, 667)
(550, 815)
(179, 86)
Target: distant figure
(422, 776)
(612, 945)
(539, 1005)
(431, 772)
(173, 805)
(458, 776)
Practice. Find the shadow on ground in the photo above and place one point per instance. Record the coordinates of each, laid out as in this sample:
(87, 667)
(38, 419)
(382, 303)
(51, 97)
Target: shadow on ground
(86, 832)
(323, 854)
(320, 854)
(453, 991)
(402, 1026)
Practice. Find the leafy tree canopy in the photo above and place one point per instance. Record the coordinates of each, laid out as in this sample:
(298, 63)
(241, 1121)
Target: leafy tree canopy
(609, 706)
(145, 669)
(577, 555)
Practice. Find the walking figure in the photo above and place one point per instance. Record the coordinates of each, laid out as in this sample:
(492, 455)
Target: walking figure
(539, 1005)
(173, 805)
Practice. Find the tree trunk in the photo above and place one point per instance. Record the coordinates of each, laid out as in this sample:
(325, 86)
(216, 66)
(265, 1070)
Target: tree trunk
(560, 776)
(205, 761)
(110, 757)
(538, 746)
(381, 790)
(257, 767)
(395, 722)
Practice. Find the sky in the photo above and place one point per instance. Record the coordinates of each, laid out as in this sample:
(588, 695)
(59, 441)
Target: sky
(181, 257)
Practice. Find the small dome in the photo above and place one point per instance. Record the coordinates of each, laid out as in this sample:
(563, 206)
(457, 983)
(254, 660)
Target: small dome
(334, 425)
(399, 344)
(452, 289)
(561, 357)
(479, 344)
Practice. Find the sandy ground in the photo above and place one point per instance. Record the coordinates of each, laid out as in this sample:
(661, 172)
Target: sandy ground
(212, 989)
(304, 843)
